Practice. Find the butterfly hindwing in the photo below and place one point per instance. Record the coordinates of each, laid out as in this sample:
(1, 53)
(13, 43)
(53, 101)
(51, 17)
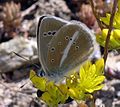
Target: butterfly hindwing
(82, 47)
(71, 46)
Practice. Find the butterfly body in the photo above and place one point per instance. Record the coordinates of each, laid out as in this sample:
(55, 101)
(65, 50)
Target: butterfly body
(63, 46)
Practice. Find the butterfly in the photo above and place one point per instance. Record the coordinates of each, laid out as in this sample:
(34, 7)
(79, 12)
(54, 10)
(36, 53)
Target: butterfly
(63, 46)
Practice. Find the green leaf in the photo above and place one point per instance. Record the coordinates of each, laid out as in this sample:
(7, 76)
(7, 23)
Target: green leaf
(99, 87)
(117, 20)
(98, 80)
(116, 34)
(82, 73)
(46, 97)
(114, 42)
(38, 82)
(106, 19)
(76, 94)
(86, 65)
(95, 84)
(99, 66)
(119, 6)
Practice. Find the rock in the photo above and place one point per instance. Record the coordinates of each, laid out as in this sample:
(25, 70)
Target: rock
(118, 94)
(113, 61)
(11, 95)
(86, 15)
(54, 7)
(113, 65)
(99, 103)
(26, 48)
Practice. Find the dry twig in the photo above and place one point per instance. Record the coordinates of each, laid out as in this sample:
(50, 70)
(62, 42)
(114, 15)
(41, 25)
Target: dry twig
(110, 29)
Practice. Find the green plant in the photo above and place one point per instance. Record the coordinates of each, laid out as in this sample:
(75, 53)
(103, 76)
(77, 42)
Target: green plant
(110, 37)
(78, 86)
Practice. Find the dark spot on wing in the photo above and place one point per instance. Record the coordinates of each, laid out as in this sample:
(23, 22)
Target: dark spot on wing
(52, 60)
(76, 47)
(74, 43)
(44, 34)
(53, 33)
(70, 38)
(66, 37)
(52, 49)
(49, 33)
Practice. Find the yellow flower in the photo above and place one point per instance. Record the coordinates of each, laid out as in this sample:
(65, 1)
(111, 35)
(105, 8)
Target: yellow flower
(88, 80)
(91, 78)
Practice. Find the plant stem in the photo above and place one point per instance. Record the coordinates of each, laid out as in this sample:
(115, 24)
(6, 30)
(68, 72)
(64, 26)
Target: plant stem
(110, 29)
(95, 13)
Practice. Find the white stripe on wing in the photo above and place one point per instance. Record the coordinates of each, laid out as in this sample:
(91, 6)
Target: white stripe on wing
(66, 50)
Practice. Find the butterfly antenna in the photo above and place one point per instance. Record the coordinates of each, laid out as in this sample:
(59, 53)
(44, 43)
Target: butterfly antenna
(31, 63)
(26, 60)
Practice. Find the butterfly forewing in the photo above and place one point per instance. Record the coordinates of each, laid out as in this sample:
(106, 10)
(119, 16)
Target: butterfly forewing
(47, 28)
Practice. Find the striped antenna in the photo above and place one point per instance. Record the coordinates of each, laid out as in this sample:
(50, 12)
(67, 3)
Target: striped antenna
(40, 69)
